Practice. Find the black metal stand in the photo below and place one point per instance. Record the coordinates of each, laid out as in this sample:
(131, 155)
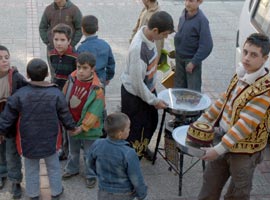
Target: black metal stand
(180, 172)
(159, 135)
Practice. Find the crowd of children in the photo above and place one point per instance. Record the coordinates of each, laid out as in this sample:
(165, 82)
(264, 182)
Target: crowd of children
(55, 120)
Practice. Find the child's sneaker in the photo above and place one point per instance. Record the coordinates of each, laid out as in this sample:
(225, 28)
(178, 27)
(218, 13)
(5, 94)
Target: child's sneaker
(16, 190)
(62, 155)
(91, 182)
(149, 155)
(2, 182)
(67, 175)
(57, 197)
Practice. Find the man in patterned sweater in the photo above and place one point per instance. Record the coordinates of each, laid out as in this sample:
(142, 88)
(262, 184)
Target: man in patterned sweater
(138, 94)
(242, 115)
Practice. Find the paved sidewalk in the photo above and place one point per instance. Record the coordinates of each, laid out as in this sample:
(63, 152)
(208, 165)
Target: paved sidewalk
(19, 32)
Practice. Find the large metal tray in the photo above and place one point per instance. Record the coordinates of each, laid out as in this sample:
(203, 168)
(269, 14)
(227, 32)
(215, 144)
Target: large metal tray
(179, 135)
(184, 101)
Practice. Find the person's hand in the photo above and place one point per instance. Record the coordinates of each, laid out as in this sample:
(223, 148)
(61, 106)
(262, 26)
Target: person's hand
(107, 82)
(75, 131)
(2, 139)
(171, 54)
(189, 68)
(210, 154)
(161, 105)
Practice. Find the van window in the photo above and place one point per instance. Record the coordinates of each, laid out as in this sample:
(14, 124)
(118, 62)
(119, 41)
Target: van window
(261, 16)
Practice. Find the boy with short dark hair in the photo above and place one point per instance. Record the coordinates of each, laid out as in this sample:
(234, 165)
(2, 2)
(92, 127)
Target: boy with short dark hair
(138, 94)
(115, 163)
(10, 160)
(63, 63)
(40, 107)
(105, 64)
(193, 43)
(85, 97)
(242, 115)
(62, 57)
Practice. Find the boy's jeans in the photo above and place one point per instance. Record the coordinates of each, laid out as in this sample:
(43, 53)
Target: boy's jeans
(102, 194)
(10, 161)
(32, 181)
(73, 163)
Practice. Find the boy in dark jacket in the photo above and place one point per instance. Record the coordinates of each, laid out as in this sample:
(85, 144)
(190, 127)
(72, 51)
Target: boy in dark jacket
(39, 107)
(62, 57)
(10, 161)
(63, 62)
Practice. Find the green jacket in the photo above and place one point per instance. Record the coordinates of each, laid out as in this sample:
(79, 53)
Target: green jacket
(91, 119)
(70, 14)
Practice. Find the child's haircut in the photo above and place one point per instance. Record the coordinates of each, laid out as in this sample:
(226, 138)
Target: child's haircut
(37, 69)
(90, 24)
(114, 123)
(259, 40)
(3, 48)
(162, 21)
(63, 28)
(86, 57)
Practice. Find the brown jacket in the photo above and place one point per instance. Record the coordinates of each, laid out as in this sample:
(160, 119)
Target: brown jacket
(144, 17)
(70, 14)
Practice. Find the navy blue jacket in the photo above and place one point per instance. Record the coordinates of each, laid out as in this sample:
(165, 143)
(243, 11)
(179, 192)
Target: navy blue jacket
(40, 107)
(193, 39)
(105, 64)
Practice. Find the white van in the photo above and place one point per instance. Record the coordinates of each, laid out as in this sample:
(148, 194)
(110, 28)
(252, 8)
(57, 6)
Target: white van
(255, 17)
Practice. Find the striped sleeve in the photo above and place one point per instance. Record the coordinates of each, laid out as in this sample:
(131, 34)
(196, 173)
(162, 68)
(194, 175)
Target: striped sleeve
(250, 117)
(95, 109)
(211, 115)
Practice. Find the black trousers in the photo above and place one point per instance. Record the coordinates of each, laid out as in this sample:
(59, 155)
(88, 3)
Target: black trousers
(143, 118)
